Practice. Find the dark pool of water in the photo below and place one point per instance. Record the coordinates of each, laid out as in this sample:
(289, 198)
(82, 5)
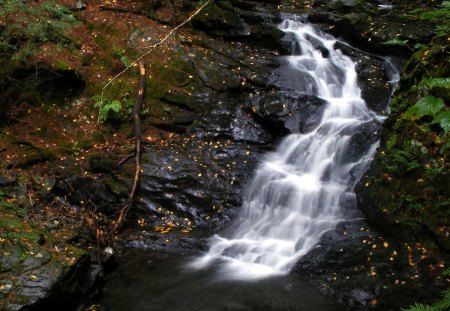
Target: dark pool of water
(161, 281)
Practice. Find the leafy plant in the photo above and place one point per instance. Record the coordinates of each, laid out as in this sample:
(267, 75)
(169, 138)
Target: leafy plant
(425, 106)
(404, 43)
(432, 83)
(442, 304)
(112, 109)
(74, 149)
(430, 106)
(441, 15)
(403, 162)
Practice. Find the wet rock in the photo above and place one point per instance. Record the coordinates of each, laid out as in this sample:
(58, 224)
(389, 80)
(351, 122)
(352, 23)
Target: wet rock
(288, 112)
(220, 19)
(361, 138)
(218, 80)
(246, 129)
(267, 36)
(287, 78)
(195, 184)
(175, 242)
(365, 271)
(373, 77)
(354, 21)
(120, 187)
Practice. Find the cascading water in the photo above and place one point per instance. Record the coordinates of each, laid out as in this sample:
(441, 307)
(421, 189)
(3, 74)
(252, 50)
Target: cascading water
(298, 190)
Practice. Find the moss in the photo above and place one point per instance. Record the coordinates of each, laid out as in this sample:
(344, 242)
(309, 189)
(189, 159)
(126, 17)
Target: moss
(30, 155)
(118, 187)
(406, 190)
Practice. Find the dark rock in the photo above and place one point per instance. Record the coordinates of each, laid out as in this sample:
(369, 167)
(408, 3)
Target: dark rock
(41, 276)
(361, 138)
(31, 154)
(373, 77)
(288, 112)
(7, 181)
(118, 186)
(267, 36)
(286, 77)
(101, 164)
(83, 190)
(195, 184)
(354, 21)
(244, 128)
(363, 270)
(176, 242)
(218, 80)
(220, 19)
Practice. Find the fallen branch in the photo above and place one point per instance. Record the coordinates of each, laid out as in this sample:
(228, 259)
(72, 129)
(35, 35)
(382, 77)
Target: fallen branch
(137, 135)
(152, 47)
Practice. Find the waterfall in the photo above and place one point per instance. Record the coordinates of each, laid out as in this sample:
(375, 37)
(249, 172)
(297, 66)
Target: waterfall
(298, 191)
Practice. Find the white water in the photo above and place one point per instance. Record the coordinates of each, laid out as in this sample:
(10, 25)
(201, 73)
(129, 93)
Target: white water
(297, 192)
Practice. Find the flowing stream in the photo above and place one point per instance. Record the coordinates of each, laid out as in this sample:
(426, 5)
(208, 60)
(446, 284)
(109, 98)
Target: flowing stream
(298, 191)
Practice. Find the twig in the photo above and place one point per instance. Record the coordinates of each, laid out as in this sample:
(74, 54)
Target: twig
(125, 159)
(137, 134)
(152, 47)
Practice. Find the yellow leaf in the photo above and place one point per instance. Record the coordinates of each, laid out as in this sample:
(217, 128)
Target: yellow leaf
(386, 244)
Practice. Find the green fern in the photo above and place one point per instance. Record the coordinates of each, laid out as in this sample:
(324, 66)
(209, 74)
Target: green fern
(442, 304)
(420, 307)
(31, 26)
(402, 162)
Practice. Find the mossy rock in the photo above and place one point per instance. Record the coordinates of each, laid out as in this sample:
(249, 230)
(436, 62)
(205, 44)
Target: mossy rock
(98, 163)
(36, 268)
(30, 155)
(119, 187)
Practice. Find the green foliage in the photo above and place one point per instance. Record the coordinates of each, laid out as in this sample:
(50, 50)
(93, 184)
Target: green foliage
(432, 83)
(425, 106)
(441, 16)
(125, 61)
(402, 162)
(108, 108)
(10, 206)
(115, 110)
(111, 109)
(442, 304)
(443, 119)
(29, 26)
(433, 107)
(396, 42)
